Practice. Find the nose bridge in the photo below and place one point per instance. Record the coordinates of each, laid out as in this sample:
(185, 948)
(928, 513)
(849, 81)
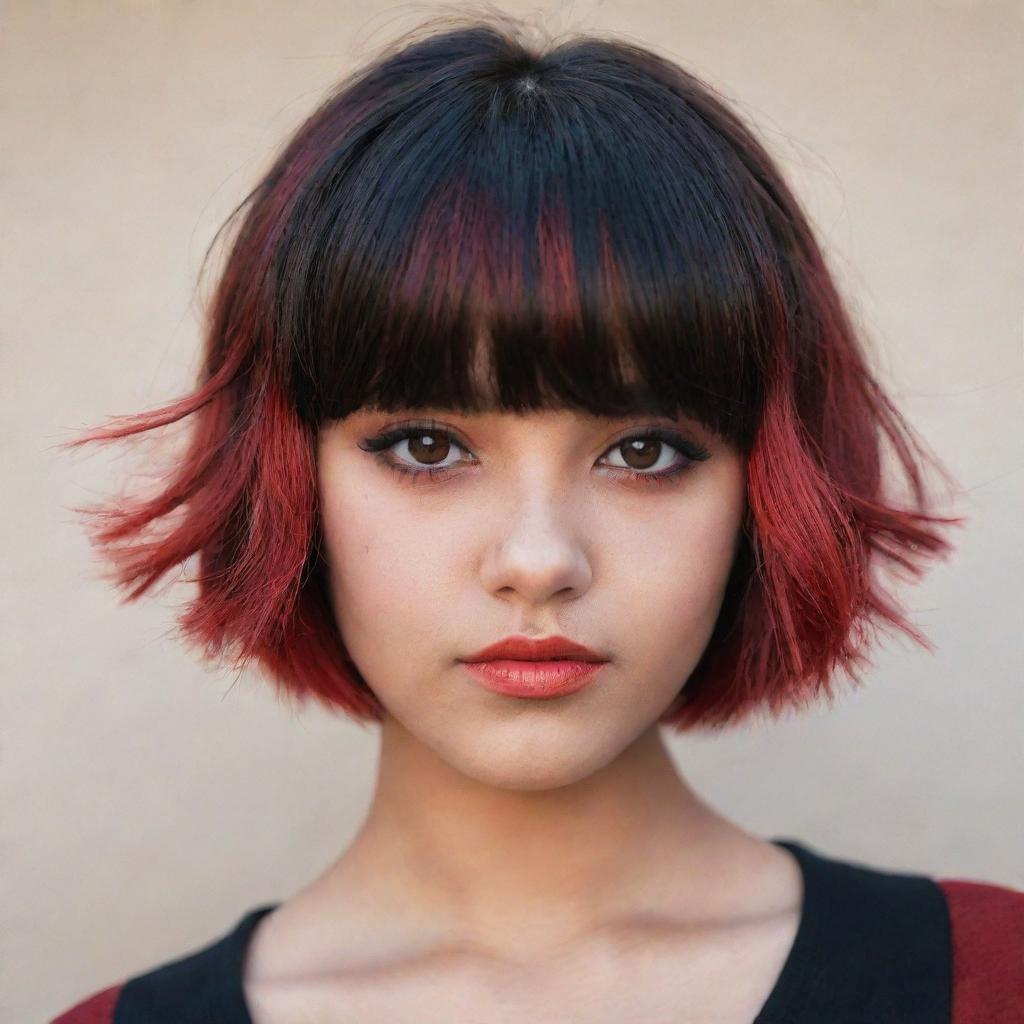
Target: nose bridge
(540, 497)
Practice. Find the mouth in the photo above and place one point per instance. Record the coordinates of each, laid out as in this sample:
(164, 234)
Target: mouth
(535, 679)
(520, 666)
(546, 649)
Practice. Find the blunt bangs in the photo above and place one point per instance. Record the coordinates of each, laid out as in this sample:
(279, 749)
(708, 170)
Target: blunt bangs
(477, 222)
(520, 236)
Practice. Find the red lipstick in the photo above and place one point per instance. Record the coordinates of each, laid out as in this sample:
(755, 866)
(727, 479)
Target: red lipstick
(520, 667)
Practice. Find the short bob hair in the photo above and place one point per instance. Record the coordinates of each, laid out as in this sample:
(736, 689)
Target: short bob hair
(476, 221)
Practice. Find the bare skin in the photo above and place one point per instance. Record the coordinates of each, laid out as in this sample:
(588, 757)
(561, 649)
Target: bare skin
(529, 858)
(675, 914)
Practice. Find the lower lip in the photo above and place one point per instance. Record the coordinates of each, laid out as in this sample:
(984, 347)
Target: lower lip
(541, 679)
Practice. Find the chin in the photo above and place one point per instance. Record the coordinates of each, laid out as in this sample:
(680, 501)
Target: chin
(545, 759)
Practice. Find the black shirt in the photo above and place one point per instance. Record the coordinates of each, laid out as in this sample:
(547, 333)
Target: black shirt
(872, 947)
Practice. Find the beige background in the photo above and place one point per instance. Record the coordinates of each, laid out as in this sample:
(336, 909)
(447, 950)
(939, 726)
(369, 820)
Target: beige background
(148, 802)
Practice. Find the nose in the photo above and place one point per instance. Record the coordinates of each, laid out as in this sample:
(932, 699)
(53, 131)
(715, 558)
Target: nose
(538, 549)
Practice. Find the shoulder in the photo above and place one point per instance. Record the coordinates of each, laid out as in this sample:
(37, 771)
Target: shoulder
(894, 945)
(987, 932)
(167, 992)
(96, 1009)
(198, 987)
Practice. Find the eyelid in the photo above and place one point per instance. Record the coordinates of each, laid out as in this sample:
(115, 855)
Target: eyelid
(428, 424)
(688, 446)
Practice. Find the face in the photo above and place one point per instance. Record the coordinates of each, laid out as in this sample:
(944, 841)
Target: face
(460, 530)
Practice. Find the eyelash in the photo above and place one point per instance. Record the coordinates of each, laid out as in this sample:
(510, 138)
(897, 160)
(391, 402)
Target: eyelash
(380, 443)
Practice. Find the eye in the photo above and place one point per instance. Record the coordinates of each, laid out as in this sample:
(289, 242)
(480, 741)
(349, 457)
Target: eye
(655, 455)
(645, 452)
(428, 448)
(425, 445)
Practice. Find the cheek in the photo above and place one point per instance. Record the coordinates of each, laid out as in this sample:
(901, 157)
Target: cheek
(384, 568)
(686, 554)
(393, 575)
(672, 574)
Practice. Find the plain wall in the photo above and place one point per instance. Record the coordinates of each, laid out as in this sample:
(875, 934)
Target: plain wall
(149, 801)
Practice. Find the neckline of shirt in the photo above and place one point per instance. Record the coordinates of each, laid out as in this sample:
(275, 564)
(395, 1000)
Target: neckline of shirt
(232, 1008)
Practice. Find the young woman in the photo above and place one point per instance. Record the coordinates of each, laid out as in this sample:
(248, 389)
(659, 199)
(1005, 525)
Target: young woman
(532, 425)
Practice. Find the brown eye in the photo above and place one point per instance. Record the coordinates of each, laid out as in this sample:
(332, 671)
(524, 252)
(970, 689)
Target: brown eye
(417, 449)
(424, 447)
(656, 454)
(641, 452)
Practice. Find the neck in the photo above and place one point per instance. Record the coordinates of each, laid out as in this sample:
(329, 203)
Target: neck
(536, 867)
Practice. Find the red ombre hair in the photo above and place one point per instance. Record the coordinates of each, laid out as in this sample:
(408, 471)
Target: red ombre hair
(600, 231)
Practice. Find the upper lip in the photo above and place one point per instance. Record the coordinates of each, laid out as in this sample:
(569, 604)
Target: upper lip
(523, 648)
